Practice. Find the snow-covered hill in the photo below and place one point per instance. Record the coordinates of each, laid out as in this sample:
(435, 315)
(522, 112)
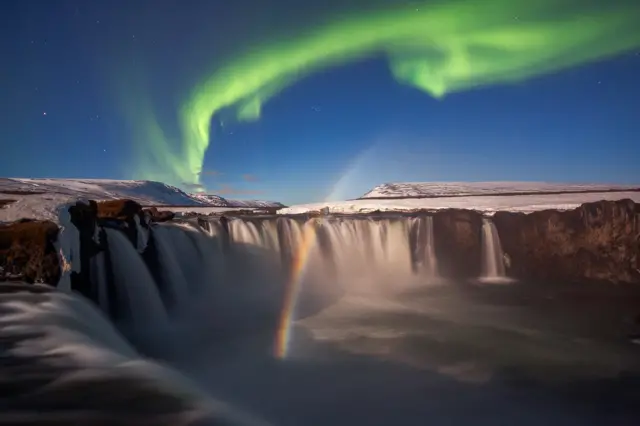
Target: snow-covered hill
(487, 197)
(143, 191)
(216, 200)
(40, 198)
(254, 204)
(463, 189)
(211, 200)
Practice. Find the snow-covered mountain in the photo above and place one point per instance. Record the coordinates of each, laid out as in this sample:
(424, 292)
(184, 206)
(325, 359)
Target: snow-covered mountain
(464, 189)
(218, 201)
(40, 198)
(211, 200)
(142, 191)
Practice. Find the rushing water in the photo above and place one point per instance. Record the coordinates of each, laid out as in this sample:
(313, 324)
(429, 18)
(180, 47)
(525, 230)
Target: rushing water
(371, 339)
(493, 268)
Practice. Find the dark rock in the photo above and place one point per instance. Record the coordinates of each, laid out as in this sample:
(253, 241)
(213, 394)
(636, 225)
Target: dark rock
(27, 251)
(84, 217)
(598, 241)
(121, 214)
(457, 235)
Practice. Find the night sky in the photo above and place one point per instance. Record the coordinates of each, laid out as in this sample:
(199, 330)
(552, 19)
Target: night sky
(318, 100)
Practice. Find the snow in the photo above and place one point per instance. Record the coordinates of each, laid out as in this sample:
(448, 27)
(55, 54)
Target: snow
(218, 201)
(143, 191)
(487, 204)
(487, 197)
(444, 189)
(46, 195)
(41, 198)
(211, 199)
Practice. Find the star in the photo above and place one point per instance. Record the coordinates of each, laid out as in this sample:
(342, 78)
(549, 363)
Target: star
(44, 113)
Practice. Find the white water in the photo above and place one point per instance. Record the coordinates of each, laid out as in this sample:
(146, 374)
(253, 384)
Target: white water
(428, 342)
(172, 274)
(493, 269)
(137, 293)
(425, 245)
(63, 336)
(369, 255)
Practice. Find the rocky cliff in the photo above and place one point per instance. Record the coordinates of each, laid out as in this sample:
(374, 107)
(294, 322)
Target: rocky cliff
(458, 243)
(27, 251)
(596, 242)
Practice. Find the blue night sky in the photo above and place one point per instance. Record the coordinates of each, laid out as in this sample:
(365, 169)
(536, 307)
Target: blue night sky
(78, 76)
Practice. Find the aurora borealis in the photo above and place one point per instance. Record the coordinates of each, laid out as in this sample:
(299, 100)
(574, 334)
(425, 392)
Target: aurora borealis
(296, 94)
(439, 49)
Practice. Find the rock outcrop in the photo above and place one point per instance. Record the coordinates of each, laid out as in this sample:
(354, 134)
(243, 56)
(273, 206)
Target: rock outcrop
(597, 242)
(156, 215)
(458, 243)
(27, 251)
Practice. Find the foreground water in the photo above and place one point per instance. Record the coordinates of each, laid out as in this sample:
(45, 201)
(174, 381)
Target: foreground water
(444, 354)
(368, 334)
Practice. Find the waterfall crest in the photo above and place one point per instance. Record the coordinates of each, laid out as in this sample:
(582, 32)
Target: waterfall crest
(493, 265)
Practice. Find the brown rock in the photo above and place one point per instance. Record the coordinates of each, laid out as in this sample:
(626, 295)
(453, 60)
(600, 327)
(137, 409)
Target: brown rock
(458, 242)
(118, 209)
(5, 202)
(27, 251)
(598, 241)
(159, 216)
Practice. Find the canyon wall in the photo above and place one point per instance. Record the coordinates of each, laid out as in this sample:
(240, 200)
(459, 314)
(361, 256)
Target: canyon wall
(596, 242)
(458, 243)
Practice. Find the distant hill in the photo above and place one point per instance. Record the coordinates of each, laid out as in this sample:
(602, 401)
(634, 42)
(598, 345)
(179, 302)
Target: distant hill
(466, 189)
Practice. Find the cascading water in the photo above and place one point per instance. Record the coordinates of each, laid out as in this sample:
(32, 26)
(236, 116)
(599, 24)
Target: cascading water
(262, 257)
(369, 306)
(173, 279)
(424, 245)
(137, 293)
(360, 253)
(493, 269)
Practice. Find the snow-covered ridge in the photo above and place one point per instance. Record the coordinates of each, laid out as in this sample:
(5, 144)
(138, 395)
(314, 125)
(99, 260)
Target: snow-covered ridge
(142, 191)
(463, 189)
(487, 197)
(525, 203)
(40, 198)
(218, 201)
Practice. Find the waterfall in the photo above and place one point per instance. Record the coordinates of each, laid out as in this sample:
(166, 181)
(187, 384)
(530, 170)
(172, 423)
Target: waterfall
(493, 269)
(362, 254)
(423, 245)
(98, 264)
(228, 276)
(136, 290)
(173, 278)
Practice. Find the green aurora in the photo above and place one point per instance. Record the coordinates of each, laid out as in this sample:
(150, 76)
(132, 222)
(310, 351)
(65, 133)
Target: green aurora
(438, 48)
